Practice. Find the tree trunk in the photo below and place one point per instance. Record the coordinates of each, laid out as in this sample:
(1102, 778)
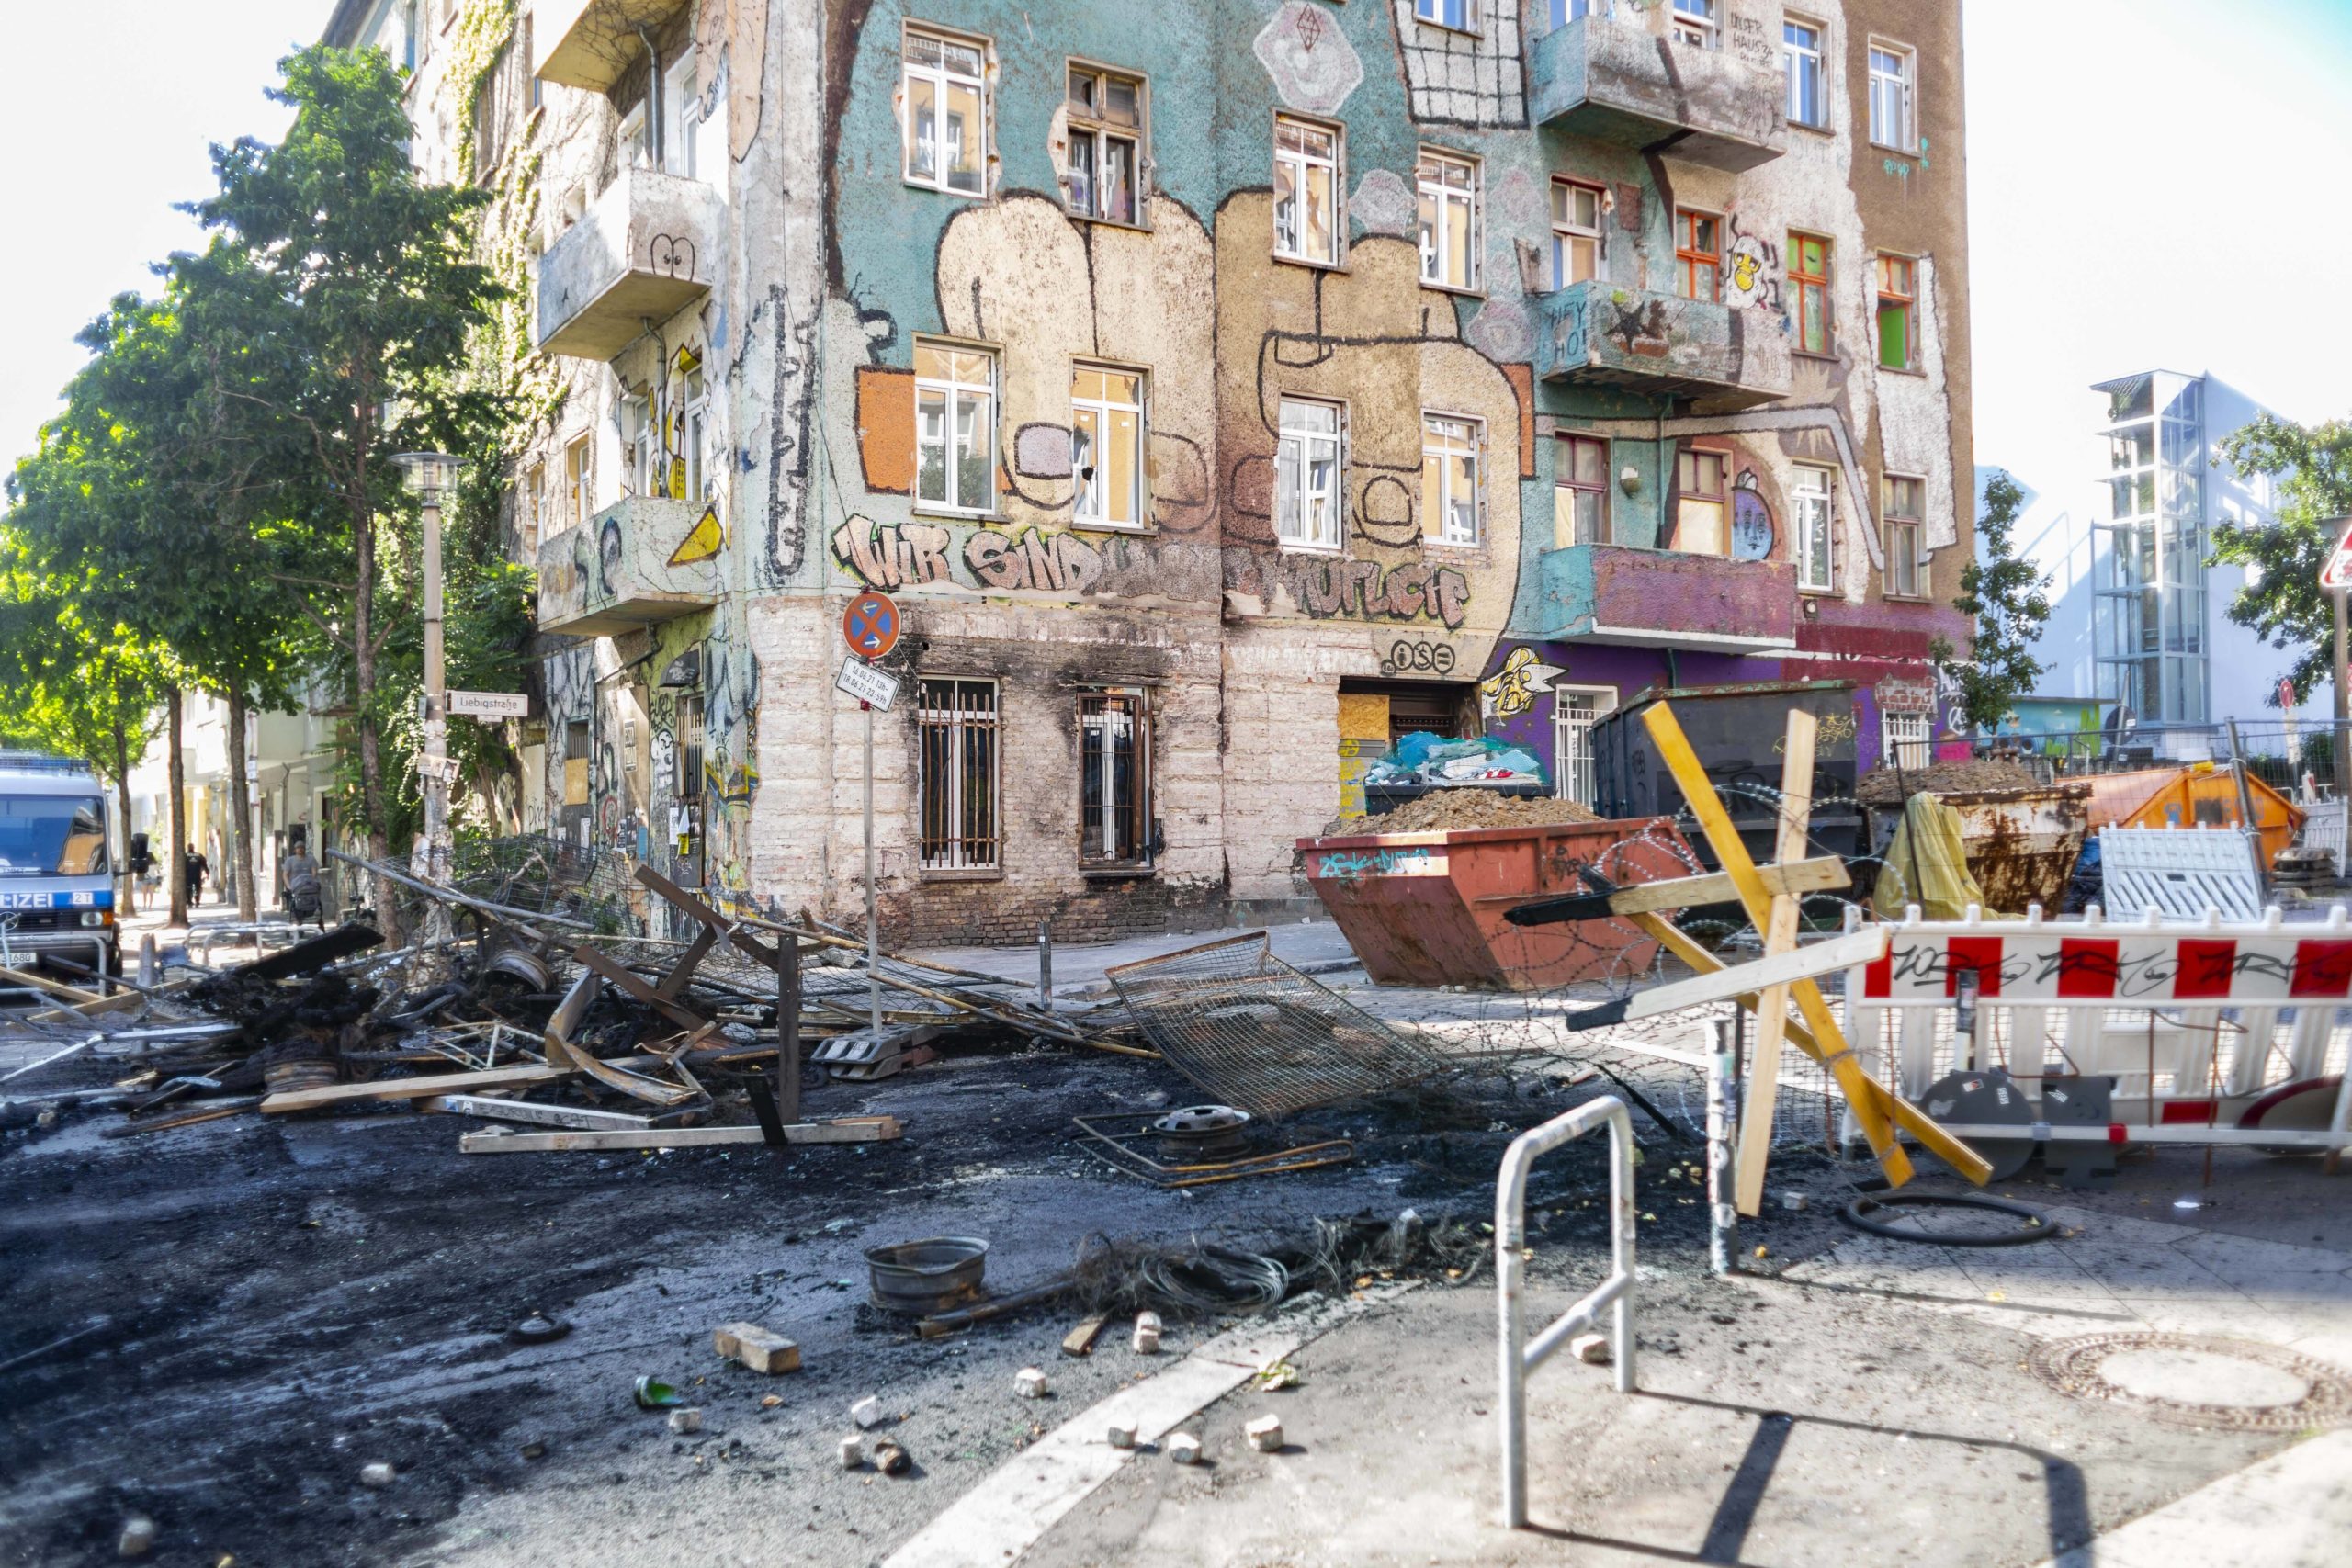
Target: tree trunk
(241, 813)
(176, 871)
(122, 801)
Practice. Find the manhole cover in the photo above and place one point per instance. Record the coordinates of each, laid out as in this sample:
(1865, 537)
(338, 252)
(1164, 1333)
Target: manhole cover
(2193, 1379)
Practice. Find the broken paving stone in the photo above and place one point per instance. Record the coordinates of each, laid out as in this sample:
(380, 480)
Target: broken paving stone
(852, 1452)
(1265, 1434)
(1029, 1382)
(379, 1475)
(1796, 1203)
(685, 1420)
(756, 1348)
(1122, 1435)
(1146, 1339)
(867, 1412)
(138, 1536)
(1183, 1448)
(1590, 1348)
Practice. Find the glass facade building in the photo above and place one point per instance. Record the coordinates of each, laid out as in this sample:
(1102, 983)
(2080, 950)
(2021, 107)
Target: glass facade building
(2149, 612)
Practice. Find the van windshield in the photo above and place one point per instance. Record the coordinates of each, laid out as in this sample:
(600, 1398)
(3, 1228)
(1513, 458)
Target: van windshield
(52, 835)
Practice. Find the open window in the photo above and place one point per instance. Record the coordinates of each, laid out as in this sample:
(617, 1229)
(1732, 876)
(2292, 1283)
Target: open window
(1114, 778)
(1701, 508)
(1106, 145)
(1580, 491)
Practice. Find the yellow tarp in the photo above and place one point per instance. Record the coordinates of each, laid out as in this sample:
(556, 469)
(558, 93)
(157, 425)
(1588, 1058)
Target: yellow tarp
(1928, 866)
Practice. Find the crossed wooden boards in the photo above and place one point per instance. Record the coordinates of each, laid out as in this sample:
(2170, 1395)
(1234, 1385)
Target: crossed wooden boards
(1784, 974)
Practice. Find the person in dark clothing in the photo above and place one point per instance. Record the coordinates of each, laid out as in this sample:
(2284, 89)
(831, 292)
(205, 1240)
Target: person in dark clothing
(198, 868)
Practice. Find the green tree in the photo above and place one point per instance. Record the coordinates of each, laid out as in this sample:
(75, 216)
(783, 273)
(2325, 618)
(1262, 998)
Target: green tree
(73, 686)
(338, 295)
(2005, 596)
(2311, 469)
(125, 498)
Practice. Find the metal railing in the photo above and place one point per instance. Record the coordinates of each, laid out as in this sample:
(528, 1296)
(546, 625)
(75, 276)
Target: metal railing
(1616, 1293)
(2296, 759)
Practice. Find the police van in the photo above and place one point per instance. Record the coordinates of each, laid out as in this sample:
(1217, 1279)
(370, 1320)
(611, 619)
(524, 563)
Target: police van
(56, 876)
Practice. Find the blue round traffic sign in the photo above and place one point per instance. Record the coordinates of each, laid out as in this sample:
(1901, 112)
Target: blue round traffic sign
(870, 625)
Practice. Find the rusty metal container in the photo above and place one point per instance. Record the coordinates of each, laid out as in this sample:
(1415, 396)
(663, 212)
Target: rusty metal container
(2199, 796)
(2022, 844)
(1427, 909)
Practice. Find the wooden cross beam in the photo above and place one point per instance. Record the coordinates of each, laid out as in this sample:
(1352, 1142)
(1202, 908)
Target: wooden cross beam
(1829, 1043)
(1780, 936)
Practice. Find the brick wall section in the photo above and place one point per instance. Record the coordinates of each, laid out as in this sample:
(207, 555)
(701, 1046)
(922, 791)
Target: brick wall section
(1282, 709)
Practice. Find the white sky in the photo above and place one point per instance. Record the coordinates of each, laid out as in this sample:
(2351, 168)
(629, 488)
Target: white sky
(2151, 182)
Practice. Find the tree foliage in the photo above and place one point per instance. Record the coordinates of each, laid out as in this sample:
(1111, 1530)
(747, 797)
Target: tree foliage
(2006, 598)
(2311, 470)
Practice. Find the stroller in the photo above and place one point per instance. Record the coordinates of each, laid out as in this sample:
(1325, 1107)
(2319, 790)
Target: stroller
(304, 903)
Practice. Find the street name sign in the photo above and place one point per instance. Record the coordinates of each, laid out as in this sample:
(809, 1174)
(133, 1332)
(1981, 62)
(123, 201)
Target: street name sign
(490, 704)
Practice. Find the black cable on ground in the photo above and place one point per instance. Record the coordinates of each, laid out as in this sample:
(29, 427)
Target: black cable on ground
(2036, 1227)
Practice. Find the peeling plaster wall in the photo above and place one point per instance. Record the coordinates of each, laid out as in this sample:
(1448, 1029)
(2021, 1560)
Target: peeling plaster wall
(832, 266)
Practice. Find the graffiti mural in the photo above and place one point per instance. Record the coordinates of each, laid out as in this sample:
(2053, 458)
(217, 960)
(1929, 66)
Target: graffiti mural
(1512, 689)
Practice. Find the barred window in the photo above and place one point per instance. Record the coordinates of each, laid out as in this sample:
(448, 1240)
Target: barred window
(687, 785)
(1114, 778)
(957, 723)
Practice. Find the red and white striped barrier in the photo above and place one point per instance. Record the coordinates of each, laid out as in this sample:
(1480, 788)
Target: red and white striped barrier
(2207, 1029)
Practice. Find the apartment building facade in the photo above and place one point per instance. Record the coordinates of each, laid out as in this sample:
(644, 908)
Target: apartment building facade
(1223, 389)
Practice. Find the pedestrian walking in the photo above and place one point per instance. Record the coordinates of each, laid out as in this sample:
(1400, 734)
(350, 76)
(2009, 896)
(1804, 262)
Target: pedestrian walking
(198, 868)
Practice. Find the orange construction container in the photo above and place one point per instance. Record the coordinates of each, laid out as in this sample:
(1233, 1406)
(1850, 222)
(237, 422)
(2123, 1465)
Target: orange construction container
(2199, 796)
(1427, 909)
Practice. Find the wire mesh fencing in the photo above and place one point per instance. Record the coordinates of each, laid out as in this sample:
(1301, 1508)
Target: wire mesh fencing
(1257, 1033)
(534, 872)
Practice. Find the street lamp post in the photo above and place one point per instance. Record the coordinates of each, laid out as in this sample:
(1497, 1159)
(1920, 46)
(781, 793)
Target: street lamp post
(431, 474)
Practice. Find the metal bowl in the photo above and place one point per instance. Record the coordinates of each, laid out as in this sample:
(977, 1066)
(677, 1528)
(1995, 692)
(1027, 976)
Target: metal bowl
(917, 1278)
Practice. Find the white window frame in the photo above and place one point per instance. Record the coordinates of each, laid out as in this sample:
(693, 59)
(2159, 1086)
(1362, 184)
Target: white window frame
(1293, 499)
(1812, 514)
(641, 445)
(1817, 52)
(941, 78)
(1568, 228)
(1452, 204)
(1570, 765)
(1912, 562)
(579, 479)
(1900, 733)
(636, 148)
(533, 506)
(1442, 446)
(1566, 11)
(1465, 20)
(951, 388)
(1305, 166)
(695, 437)
(677, 134)
(1697, 23)
(1897, 91)
(1098, 131)
(1089, 505)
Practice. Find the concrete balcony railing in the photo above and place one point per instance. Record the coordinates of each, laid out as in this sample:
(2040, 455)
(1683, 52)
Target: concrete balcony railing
(646, 250)
(1614, 81)
(1663, 599)
(622, 569)
(589, 43)
(1662, 344)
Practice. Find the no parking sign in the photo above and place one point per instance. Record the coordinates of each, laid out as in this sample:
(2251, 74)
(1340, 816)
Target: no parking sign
(870, 625)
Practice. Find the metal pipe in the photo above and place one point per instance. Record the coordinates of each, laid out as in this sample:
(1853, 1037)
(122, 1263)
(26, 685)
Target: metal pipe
(1046, 964)
(1518, 1358)
(873, 927)
(1723, 1137)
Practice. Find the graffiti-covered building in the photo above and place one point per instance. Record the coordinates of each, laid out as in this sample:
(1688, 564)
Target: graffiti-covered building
(1225, 389)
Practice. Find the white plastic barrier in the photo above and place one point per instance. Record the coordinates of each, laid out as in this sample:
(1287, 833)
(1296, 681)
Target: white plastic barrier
(1616, 1293)
(2197, 1023)
(2180, 873)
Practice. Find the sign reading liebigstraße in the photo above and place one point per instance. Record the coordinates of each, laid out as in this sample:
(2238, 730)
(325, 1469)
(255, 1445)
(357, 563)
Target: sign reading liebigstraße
(490, 704)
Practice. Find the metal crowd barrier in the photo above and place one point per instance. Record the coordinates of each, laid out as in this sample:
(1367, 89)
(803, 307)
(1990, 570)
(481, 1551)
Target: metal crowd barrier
(1616, 1293)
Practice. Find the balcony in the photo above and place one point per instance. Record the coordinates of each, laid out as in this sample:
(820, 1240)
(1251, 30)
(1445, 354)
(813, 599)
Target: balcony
(1616, 82)
(644, 559)
(1662, 599)
(648, 249)
(1662, 344)
(589, 43)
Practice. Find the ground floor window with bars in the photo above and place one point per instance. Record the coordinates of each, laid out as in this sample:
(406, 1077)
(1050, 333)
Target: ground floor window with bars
(1574, 713)
(1909, 738)
(1114, 778)
(958, 724)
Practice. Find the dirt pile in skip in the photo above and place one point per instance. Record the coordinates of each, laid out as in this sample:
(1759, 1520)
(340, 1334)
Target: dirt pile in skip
(1448, 810)
(1983, 775)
